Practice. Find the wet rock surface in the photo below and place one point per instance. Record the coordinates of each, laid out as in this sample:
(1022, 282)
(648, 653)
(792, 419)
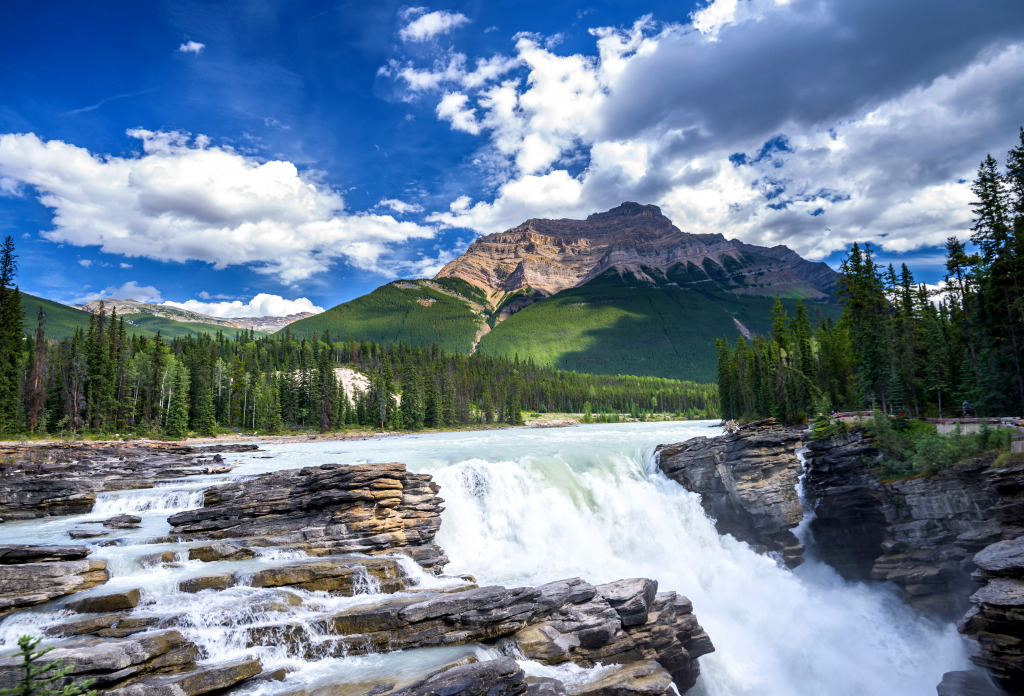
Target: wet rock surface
(563, 621)
(63, 479)
(322, 510)
(747, 482)
(31, 575)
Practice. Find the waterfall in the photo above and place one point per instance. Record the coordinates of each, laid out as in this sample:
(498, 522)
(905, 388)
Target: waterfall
(525, 507)
(606, 515)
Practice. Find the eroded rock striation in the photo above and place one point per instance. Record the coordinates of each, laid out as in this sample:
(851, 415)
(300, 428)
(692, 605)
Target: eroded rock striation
(158, 663)
(564, 621)
(747, 482)
(322, 510)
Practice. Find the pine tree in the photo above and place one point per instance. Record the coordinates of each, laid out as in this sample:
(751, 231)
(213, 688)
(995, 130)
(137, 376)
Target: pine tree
(177, 412)
(35, 399)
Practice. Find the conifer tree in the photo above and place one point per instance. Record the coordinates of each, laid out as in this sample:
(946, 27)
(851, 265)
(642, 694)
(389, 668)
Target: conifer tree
(177, 413)
(11, 317)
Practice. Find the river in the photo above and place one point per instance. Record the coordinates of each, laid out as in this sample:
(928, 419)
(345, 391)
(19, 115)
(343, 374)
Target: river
(527, 506)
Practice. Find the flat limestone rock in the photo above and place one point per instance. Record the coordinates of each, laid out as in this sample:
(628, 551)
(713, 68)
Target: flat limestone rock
(644, 678)
(201, 679)
(11, 554)
(123, 522)
(118, 601)
(338, 576)
(28, 584)
(111, 660)
(221, 551)
(1003, 558)
(325, 510)
(221, 581)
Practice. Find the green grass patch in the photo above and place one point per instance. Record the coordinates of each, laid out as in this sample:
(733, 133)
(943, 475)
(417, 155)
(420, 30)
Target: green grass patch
(914, 448)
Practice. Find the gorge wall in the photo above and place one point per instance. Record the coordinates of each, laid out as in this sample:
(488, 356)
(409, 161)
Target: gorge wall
(952, 542)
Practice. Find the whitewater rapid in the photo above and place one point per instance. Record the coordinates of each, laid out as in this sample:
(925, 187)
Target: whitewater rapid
(528, 506)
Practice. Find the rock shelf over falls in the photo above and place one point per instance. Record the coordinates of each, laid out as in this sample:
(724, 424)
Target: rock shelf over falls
(747, 480)
(330, 509)
(265, 568)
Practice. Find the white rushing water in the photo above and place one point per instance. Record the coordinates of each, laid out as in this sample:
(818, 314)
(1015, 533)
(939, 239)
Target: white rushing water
(528, 506)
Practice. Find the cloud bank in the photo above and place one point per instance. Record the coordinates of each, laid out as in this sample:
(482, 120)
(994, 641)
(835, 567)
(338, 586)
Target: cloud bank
(262, 305)
(183, 199)
(812, 123)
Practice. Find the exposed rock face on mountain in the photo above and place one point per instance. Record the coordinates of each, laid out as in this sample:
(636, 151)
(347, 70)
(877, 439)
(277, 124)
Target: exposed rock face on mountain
(327, 509)
(129, 307)
(747, 482)
(552, 255)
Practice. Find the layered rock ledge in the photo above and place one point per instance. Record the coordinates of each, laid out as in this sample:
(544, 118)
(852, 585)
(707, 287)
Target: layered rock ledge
(38, 481)
(322, 510)
(747, 482)
(31, 575)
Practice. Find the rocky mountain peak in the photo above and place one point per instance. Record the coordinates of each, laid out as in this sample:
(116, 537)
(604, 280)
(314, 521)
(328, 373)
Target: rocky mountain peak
(629, 209)
(548, 256)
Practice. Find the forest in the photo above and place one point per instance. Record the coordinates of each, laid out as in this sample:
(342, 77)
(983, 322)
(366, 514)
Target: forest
(105, 380)
(898, 346)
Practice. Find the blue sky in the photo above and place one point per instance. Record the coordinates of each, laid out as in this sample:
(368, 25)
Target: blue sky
(266, 157)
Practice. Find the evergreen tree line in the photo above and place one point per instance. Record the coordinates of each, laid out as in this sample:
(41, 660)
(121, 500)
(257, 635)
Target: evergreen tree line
(105, 380)
(895, 348)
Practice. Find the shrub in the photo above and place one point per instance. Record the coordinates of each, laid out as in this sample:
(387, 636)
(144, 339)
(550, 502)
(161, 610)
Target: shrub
(36, 683)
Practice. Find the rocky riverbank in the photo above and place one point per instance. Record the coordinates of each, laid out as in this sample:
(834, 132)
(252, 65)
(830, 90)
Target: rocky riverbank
(315, 533)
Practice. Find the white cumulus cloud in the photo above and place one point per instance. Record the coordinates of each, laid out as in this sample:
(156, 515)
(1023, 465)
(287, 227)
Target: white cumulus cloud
(191, 47)
(182, 199)
(766, 120)
(431, 24)
(399, 206)
(129, 291)
(262, 305)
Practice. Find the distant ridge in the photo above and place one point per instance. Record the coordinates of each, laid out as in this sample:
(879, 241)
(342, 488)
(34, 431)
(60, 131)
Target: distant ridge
(129, 307)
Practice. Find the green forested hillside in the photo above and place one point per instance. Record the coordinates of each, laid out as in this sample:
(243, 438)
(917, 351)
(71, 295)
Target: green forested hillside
(61, 322)
(617, 325)
(401, 312)
(613, 325)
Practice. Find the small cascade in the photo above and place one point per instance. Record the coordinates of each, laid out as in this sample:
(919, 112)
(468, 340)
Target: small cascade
(803, 530)
(165, 499)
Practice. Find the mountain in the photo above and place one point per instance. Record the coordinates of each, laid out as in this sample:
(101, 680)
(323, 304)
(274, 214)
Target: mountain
(622, 292)
(125, 307)
(62, 320)
(548, 256)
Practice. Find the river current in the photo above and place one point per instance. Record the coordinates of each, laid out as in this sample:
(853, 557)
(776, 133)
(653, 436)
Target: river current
(527, 506)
